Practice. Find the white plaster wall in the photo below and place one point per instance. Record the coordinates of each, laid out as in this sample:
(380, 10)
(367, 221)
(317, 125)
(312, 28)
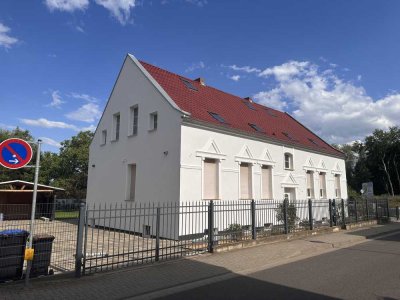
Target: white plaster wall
(157, 174)
(197, 139)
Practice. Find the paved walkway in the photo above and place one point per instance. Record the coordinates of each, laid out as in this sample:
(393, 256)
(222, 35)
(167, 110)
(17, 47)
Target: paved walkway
(165, 278)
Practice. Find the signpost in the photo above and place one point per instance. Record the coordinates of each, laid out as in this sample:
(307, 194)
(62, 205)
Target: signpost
(15, 154)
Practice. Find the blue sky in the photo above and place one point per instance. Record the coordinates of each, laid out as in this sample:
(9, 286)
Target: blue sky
(334, 65)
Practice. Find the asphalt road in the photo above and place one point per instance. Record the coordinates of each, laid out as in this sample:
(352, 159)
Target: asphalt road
(370, 270)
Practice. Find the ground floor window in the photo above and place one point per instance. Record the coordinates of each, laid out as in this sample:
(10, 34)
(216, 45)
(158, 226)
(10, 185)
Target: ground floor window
(310, 185)
(245, 181)
(210, 180)
(337, 186)
(322, 185)
(266, 178)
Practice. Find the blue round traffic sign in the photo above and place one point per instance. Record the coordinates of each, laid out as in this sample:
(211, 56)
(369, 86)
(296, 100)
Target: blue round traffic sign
(15, 153)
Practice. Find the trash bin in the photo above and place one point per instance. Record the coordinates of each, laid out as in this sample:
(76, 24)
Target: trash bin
(43, 245)
(12, 249)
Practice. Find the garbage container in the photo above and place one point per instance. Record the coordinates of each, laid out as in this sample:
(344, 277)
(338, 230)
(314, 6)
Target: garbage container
(12, 249)
(43, 245)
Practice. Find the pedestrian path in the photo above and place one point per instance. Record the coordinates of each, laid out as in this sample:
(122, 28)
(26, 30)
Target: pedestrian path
(164, 278)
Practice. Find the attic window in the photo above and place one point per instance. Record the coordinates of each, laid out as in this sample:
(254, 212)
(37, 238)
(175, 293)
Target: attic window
(313, 141)
(271, 113)
(256, 128)
(289, 136)
(189, 85)
(249, 105)
(217, 117)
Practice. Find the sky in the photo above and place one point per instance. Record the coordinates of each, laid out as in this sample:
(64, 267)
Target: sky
(333, 65)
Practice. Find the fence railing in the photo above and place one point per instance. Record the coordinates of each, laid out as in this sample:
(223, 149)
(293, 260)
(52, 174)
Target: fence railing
(93, 238)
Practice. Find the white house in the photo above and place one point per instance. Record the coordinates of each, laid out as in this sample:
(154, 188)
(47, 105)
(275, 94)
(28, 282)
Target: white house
(166, 138)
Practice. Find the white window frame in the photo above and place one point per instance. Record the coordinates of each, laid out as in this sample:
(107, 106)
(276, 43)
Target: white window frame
(322, 191)
(132, 120)
(271, 167)
(103, 137)
(251, 187)
(310, 190)
(218, 165)
(290, 155)
(116, 136)
(337, 189)
(153, 121)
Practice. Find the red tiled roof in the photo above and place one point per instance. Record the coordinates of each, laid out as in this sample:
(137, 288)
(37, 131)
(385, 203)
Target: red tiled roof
(274, 124)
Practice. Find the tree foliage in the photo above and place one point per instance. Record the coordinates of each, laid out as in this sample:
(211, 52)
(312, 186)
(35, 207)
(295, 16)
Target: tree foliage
(66, 169)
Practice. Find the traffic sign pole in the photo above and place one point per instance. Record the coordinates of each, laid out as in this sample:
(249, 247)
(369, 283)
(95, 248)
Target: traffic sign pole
(32, 224)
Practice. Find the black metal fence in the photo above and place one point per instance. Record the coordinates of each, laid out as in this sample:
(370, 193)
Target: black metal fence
(95, 238)
(55, 236)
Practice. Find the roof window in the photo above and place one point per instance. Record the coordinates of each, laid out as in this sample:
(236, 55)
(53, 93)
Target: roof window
(256, 128)
(217, 117)
(289, 136)
(188, 84)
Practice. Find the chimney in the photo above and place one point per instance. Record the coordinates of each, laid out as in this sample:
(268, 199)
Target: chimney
(200, 80)
(248, 99)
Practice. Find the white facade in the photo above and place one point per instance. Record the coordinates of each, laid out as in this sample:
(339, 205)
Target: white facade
(161, 156)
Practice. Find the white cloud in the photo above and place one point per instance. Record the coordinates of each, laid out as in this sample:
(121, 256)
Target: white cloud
(50, 142)
(6, 126)
(338, 110)
(86, 113)
(67, 5)
(195, 66)
(89, 128)
(235, 77)
(119, 9)
(56, 99)
(6, 41)
(42, 122)
(79, 28)
(246, 69)
(199, 3)
(85, 97)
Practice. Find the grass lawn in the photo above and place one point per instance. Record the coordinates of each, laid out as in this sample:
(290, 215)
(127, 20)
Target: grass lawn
(66, 214)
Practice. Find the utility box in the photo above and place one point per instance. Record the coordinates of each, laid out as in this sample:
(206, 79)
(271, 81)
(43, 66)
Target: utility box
(43, 245)
(12, 249)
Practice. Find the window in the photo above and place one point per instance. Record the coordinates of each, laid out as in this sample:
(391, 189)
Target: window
(266, 178)
(188, 84)
(337, 186)
(289, 136)
(103, 137)
(249, 105)
(313, 141)
(210, 180)
(322, 185)
(288, 161)
(256, 128)
(134, 112)
(310, 185)
(245, 181)
(153, 121)
(271, 112)
(131, 181)
(217, 117)
(116, 125)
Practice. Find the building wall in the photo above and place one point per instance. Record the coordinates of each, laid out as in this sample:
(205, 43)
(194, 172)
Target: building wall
(155, 153)
(198, 143)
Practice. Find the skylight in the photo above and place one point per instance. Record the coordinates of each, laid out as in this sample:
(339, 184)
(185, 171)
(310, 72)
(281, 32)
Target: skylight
(217, 117)
(313, 141)
(189, 85)
(249, 105)
(289, 136)
(271, 112)
(256, 128)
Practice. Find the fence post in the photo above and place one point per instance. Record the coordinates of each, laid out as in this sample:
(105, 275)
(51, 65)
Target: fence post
(285, 215)
(330, 214)
(334, 212)
(355, 208)
(387, 209)
(343, 215)
(158, 234)
(376, 209)
(211, 227)
(366, 209)
(397, 212)
(253, 219)
(310, 214)
(79, 240)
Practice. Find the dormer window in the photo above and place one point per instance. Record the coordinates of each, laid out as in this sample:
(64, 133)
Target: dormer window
(288, 161)
(249, 105)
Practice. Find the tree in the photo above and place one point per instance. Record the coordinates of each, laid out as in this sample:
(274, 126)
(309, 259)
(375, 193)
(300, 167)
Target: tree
(70, 169)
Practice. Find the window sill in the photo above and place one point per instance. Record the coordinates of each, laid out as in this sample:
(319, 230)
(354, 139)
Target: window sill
(114, 141)
(152, 130)
(288, 169)
(101, 145)
(132, 135)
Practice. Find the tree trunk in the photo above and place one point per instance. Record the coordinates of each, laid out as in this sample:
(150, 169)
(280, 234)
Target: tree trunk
(388, 175)
(397, 171)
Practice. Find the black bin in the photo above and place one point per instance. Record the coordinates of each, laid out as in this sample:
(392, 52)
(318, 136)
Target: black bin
(12, 250)
(42, 244)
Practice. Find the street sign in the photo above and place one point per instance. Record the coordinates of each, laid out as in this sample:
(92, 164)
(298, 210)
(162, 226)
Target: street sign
(15, 153)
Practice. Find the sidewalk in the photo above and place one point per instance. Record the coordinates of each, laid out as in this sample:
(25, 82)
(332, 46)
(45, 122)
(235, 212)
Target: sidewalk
(161, 279)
